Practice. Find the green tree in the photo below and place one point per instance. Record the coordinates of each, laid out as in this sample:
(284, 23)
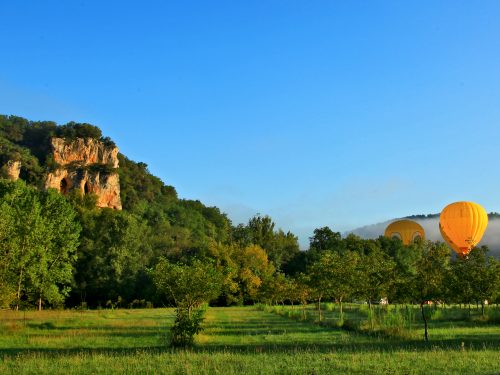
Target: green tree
(475, 278)
(279, 246)
(376, 275)
(275, 289)
(335, 275)
(405, 258)
(114, 249)
(319, 277)
(52, 272)
(432, 269)
(7, 256)
(325, 239)
(41, 237)
(189, 286)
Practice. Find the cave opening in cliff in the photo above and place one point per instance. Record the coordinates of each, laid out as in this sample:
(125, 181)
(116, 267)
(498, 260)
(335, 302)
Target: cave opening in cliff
(86, 188)
(64, 187)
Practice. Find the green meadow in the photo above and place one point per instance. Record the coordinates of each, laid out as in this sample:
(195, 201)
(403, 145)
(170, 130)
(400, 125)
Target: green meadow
(247, 340)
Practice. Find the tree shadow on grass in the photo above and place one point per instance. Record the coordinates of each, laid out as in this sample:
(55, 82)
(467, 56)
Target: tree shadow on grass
(471, 344)
(279, 335)
(104, 330)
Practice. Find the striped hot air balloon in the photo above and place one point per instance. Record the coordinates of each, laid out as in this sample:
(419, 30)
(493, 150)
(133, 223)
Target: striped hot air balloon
(462, 225)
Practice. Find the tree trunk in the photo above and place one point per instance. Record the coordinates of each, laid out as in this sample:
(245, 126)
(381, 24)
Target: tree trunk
(19, 290)
(371, 313)
(482, 308)
(341, 312)
(40, 303)
(425, 321)
(319, 308)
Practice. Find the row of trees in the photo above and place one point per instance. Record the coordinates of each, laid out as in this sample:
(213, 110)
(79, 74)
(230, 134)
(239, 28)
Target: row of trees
(59, 250)
(370, 270)
(352, 270)
(55, 248)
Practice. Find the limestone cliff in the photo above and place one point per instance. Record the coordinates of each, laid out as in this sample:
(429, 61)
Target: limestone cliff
(84, 151)
(87, 165)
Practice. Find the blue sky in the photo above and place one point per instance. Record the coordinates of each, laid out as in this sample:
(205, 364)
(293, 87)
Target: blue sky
(314, 112)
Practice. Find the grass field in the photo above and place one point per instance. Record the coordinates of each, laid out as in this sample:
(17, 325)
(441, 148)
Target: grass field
(236, 340)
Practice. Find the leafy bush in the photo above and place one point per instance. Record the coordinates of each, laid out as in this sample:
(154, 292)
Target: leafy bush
(186, 326)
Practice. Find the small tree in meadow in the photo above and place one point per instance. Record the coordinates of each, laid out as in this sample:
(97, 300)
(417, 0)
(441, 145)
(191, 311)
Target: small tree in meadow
(432, 270)
(319, 278)
(302, 291)
(376, 271)
(189, 286)
(483, 273)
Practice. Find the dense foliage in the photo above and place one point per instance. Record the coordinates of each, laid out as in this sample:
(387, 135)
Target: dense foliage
(58, 249)
(38, 242)
(117, 249)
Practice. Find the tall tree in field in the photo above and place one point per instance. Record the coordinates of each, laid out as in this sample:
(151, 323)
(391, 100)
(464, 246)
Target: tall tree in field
(39, 250)
(405, 258)
(460, 282)
(334, 275)
(7, 256)
(26, 233)
(319, 282)
(346, 276)
(275, 289)
(337, 275)
(51, 274)
(475, 278)
(376, 275)
(432, 269)
(302, 291)
(253, 267)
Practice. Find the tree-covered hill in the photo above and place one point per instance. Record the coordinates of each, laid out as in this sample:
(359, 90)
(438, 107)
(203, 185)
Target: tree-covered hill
(62, 250)
(117, 249)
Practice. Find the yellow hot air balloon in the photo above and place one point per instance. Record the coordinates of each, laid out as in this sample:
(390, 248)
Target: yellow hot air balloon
(406, 230)
(462, 225)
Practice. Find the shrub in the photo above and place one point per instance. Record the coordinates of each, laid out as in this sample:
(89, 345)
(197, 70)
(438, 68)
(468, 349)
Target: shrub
(186, 326)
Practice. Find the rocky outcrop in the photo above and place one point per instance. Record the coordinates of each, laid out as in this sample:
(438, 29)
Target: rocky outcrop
(84, 151)
(89, 166)
(11, 170)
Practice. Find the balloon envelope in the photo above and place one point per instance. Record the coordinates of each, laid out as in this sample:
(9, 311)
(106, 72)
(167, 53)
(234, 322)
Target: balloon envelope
(462, 225)
(406, 230)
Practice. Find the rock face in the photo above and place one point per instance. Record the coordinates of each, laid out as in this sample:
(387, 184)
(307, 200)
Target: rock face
(87, 165)
(12, 169)
(84, 151)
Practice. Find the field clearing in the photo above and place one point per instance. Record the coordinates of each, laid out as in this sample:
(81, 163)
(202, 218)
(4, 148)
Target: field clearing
(236, 340)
